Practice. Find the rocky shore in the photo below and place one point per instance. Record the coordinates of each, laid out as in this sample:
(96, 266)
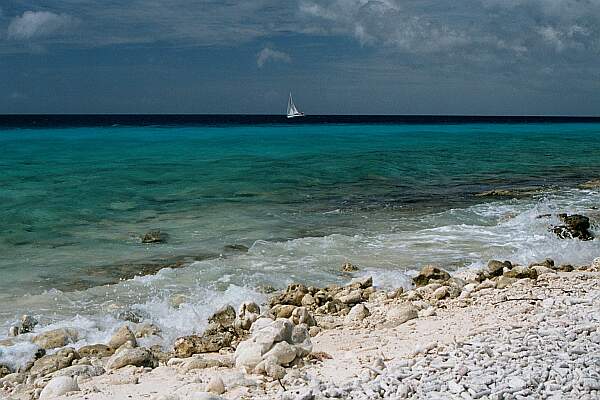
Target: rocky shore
(504, 332)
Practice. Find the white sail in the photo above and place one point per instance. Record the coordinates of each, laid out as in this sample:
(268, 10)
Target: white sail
(292, 111)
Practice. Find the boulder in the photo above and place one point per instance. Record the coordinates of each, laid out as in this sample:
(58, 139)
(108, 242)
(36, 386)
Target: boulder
(215, 385)
(59, 386)
(138, 356)
(273, 370)
(575, 227)
(357, 313)
(400, 314)
(207, 343)
(248, 354)
(352, 297)
(430, 273)
(281, 353)
(301, 315)
(96, 350)
(56, 338)
(54, 362)
(441, 293)
(348, 267)
(283, 310)
(121, 336)
(248, 312)
(308, 300)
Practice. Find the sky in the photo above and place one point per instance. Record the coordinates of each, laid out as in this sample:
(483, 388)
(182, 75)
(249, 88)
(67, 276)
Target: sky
(490, 57)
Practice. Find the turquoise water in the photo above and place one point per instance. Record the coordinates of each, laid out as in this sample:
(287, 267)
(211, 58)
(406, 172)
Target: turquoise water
(302, 198)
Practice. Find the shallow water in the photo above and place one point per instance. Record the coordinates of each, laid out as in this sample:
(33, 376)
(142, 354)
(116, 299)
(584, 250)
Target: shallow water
(302, 198)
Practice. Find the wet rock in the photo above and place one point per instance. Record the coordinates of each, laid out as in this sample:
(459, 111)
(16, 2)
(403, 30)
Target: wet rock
(215, 385)
(357, 313)
(138, 356)
(565, 268)
(54, 362)
(4, 370)
(575, 227)
(96, 350)
(147, 330)
(121, 336)
(59, 386)
(56, 338)
(131, 316)
(430, 273)
(207, 343)
(362, 282)
(521, 272)
(293, 295)
(224, 317)
(154, 236)
(400, 314)
(494, 268)
(348, 267)
(548, 263)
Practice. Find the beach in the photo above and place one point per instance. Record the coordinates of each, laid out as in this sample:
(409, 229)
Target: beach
(506, 332)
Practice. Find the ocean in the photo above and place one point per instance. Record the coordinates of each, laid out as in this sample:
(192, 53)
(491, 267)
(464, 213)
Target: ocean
(249, 204)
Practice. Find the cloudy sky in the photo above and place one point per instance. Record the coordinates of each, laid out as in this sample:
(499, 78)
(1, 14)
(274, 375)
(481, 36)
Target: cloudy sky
(337, 56)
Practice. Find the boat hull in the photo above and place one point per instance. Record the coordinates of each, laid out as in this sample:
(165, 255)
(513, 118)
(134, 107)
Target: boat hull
(295, 115)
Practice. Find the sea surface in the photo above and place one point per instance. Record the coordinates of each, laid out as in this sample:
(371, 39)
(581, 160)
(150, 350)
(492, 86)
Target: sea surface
(247, 205)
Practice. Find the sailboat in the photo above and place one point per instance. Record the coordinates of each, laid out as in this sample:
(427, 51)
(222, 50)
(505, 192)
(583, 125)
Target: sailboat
(292, 111)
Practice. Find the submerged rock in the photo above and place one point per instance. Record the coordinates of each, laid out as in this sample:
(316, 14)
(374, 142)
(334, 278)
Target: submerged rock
(430, 273)
(348, 267)
(575, 227)
(154, 236)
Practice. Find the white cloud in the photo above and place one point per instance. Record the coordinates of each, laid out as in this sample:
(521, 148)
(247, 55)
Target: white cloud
(34, 24)
(267, 54)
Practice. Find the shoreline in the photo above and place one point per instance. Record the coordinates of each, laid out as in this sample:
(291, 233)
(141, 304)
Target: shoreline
(343, 340)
